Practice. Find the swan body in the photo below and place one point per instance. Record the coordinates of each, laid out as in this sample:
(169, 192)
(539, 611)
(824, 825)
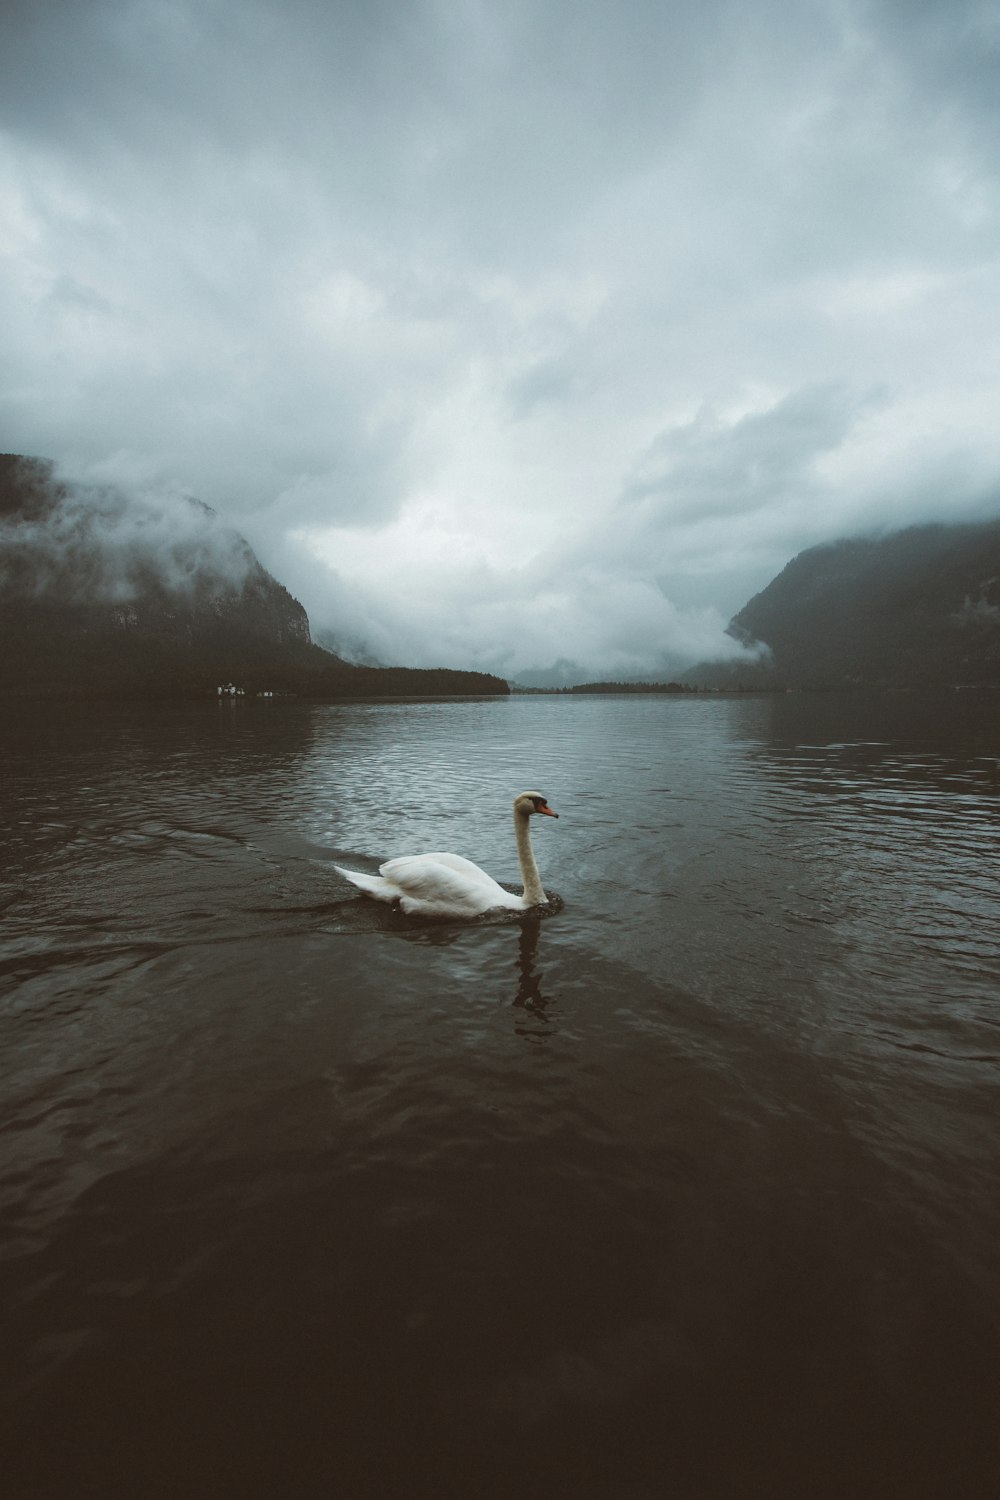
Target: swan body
(446, 885)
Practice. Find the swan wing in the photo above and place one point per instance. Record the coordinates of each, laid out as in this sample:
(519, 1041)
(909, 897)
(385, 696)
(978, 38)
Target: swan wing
(444, 885)
(456, 862)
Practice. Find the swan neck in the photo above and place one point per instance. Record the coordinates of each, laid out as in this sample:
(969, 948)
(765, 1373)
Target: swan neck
(534, 895)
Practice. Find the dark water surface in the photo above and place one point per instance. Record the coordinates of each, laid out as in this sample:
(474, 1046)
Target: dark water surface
(687, 1190)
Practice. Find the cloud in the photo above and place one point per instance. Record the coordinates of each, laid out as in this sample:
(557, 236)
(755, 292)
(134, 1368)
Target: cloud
(100, 543)
(713, 469)
(443, 304)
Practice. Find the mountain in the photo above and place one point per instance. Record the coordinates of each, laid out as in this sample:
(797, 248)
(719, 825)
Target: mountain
(915, 608)
(107, 593)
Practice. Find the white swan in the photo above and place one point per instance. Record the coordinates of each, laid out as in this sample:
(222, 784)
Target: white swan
(446, 885)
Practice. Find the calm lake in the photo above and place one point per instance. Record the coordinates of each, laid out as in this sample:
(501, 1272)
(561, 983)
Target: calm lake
(686, 1190)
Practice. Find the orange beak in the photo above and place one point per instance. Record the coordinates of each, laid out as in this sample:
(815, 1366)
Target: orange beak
(546, 809)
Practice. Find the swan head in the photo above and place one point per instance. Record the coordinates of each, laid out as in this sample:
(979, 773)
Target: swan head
(529, 803)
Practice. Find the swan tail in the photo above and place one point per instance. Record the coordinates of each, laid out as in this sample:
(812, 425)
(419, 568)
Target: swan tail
(372, 885)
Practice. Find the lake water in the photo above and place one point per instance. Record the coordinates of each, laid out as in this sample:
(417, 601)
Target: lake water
(686, 1190)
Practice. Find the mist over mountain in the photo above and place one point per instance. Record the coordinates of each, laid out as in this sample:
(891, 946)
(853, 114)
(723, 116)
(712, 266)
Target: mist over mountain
(915, 608)
(108, 591)
(103, 591)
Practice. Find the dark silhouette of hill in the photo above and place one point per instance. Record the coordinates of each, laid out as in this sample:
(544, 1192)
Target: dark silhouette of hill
(916, 608)
(107, 593)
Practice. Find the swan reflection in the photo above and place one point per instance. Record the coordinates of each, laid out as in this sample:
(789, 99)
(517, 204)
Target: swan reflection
(530, 999)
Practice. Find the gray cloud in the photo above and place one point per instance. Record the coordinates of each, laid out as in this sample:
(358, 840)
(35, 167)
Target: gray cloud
(99, 544)
(710, 469)
(510, 333)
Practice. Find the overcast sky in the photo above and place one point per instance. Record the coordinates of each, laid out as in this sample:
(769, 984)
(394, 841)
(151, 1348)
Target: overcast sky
(510, 331)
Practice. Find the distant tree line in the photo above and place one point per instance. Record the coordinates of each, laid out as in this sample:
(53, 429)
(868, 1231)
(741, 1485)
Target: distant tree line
(631, 687)
(612, 687)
